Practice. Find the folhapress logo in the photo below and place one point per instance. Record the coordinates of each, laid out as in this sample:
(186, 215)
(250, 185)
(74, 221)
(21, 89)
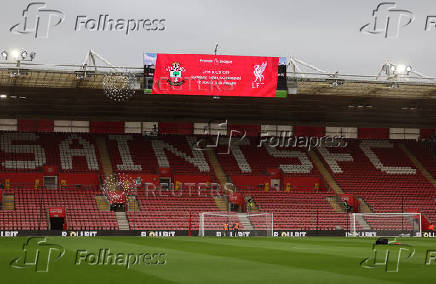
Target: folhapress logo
(38, 254)
(388, 20)
(388, 256)
(38, 20)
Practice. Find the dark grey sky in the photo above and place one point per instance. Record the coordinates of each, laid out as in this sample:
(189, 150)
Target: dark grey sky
(324, 33)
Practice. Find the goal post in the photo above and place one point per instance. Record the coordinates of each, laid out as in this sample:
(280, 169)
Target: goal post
(250, 224)
(386, 224)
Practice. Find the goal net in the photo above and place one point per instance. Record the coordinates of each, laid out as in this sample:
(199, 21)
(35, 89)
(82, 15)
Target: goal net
(250, 224)
(385, 224)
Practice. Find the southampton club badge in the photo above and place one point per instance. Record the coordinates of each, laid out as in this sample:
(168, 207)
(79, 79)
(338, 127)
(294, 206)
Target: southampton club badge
(176, 78)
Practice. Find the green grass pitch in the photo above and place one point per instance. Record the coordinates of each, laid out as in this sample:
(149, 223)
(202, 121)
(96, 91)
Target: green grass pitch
(216, 260)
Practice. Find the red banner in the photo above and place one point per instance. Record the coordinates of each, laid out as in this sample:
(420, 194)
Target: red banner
(216, 75)
(50, 170)
(56, 212)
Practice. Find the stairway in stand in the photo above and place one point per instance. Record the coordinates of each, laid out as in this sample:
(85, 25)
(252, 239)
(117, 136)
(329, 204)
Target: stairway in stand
(363, 224)
(102, 203)
(132, 203)
(336, 203)
(221, 202)
(334, 185)
(218, 169)
(123, 222)
(8, 202)
(364, 207)
(245, 222)
(418, 164)
(325, 173)
(106, 163)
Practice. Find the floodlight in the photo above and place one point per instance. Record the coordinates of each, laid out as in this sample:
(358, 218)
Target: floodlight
(15, 54)
(401, 69)
(24, 54)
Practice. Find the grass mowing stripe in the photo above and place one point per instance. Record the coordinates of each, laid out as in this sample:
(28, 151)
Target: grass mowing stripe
(229, 260)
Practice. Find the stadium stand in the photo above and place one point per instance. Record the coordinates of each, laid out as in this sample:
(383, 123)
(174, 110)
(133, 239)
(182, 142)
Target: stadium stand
(161, 210)
(80, 205)
(377, 171)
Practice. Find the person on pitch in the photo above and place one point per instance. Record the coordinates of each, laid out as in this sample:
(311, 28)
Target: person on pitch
(226, 229)
(236, 229)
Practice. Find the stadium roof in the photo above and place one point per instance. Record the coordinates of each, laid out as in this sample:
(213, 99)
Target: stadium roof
(63, 92)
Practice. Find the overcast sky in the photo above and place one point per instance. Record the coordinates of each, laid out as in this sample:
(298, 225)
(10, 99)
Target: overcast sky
(325, 33)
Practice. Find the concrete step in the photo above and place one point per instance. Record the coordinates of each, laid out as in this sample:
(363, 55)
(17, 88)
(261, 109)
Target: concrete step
(336, 203)
(246, 223)
(362, 222)
(364, 207)
(123, 222)
(8, 202)
(325, 173)
(102, 203)
(218, 169)
(221, 202)
(418, 164)
(132, 203)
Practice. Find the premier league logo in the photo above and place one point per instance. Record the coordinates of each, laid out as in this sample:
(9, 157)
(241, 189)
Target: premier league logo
(176, 78)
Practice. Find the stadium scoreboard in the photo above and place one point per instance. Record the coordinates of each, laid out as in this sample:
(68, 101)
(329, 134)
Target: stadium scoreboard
(215, 75)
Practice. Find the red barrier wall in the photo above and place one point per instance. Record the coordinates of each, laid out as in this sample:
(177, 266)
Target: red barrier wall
(303, 183)
(176, 128)
(22, 178)
(28, 125)
(373, 133)
(86, 179)
(192, 179)
(424, 133)
(116, 127)
(249, 130)
(241, 181)
(309, 131)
